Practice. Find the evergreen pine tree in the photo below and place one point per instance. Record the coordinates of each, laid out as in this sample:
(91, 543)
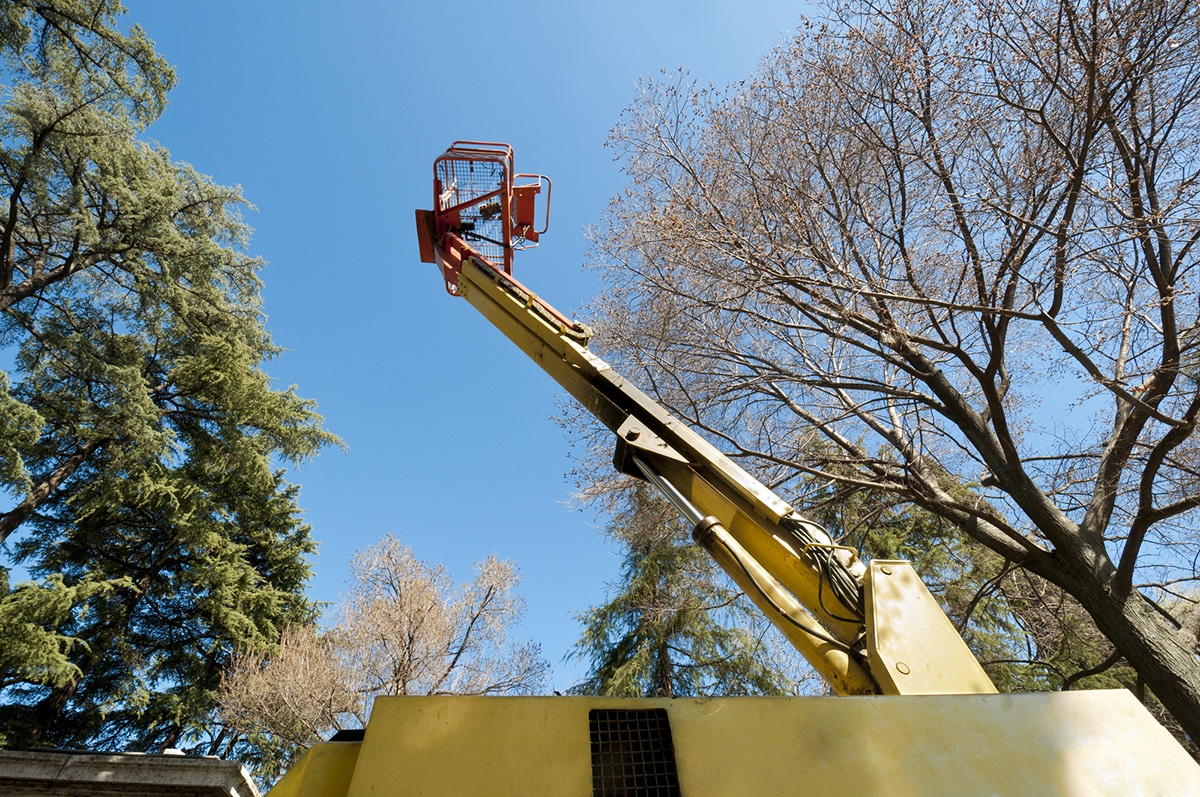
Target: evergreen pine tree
(672, 628)
(140, 437)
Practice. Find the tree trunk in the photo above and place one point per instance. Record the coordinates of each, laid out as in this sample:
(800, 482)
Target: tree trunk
(10, 520)
(1169, 669)
(666, 685)
(172, 738)
(49, 709)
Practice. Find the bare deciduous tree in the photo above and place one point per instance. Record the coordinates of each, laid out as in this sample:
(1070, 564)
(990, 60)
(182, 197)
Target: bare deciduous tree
(288, 699)
(405, 628)
(945, 251)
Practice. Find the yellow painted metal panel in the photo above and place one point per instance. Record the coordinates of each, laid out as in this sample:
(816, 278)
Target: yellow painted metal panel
(1051, 744)
(912, 646)
(324, 771)
(494, 746)
(1038, 744)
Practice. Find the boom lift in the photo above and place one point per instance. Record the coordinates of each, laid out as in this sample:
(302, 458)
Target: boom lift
(816, 592)
(869, 628)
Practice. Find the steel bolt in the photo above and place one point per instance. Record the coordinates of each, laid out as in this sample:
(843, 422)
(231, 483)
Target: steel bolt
(902, 668)
(887, 571)
(633, 434)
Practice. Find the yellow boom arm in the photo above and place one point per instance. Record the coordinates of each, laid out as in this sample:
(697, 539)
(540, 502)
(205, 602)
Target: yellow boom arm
(867, 629)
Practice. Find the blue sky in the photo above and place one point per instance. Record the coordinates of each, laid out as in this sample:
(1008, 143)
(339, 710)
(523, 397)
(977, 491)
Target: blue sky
(329, 115)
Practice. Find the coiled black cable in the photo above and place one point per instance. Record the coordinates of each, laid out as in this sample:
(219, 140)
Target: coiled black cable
(814, 546)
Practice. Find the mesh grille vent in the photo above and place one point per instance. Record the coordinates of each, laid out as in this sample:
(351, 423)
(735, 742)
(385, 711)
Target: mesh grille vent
(632, 754)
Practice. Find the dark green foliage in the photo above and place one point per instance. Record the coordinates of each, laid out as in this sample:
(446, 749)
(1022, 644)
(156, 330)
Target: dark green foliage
(30, 618)
(139, 435)
(673, 629)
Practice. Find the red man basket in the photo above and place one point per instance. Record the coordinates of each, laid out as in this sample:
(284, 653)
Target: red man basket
(480, 209)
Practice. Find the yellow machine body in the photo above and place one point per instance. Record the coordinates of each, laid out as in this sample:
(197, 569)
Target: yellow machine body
(1067, 743)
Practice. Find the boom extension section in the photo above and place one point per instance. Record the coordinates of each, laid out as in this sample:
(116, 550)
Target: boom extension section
(867, 628)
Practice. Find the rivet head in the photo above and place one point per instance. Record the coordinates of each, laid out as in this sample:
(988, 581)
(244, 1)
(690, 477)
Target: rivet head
(902, 668)
(887, 571)
(634, 433)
